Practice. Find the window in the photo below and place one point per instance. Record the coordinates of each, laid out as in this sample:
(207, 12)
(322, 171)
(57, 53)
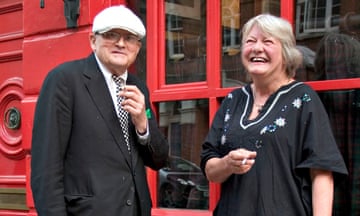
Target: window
(314, 17)
(175, 38)
(185, 41)
(181, 183)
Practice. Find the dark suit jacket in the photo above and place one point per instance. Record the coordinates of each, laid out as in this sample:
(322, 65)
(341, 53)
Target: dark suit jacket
(80, 163)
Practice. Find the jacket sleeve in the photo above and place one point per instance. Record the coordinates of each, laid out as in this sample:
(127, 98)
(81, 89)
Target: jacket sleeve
(51, 129)
(155, 151)
(157, 147)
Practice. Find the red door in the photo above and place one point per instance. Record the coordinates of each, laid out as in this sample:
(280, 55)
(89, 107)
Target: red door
(12, 150)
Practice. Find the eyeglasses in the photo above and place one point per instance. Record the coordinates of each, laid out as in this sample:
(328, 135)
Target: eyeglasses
(115, 37)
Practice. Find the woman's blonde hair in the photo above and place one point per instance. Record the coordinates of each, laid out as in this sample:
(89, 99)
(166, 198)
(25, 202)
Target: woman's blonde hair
(280, 29)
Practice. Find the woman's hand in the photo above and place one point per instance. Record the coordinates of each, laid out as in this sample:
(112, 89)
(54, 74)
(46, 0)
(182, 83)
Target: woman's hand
(237, 161)
(240, 160)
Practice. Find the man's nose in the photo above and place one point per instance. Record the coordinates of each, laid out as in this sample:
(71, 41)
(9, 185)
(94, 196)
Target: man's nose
(121, 41)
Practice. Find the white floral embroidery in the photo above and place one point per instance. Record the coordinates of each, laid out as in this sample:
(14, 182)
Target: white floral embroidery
(227, 117)
(263, 131)
(280, 122)
(223, 139)
(297, 103)
(230, 96)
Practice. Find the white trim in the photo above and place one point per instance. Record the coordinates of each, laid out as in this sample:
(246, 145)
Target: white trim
(242, 119)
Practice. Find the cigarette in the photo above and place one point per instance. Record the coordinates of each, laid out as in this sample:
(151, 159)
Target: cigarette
(243, 162)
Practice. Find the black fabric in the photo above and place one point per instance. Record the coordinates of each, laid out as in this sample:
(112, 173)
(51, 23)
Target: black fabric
(290, 135)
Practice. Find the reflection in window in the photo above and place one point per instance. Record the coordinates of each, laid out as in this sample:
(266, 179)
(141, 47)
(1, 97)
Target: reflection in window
(234, 14)
(139, 68)
(185, 41)
(336, 57)
(232, 71)
(314, 16)
(306, 71)
(327, 34)
(343, 108)
(181, 184)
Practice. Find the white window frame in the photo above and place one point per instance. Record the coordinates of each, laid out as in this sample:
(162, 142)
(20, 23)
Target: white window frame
(308, 20)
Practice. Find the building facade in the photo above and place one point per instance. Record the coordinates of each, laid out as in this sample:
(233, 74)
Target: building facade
(190, 60)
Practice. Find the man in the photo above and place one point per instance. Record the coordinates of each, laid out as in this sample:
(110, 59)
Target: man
(85, 161)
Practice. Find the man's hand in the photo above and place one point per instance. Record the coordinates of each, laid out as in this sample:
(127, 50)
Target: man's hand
(134, 104)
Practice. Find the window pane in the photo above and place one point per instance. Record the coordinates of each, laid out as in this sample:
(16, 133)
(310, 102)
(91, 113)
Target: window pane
(139, 67)
(234, 14)
(181, 183)
(331, 50)
(316, 13)
(185, 41)
(343, 108)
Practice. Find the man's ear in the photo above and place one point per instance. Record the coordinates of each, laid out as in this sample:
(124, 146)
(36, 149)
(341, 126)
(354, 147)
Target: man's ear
(92, 39)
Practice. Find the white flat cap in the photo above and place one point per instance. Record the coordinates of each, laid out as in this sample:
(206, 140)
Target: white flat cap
(118, 17)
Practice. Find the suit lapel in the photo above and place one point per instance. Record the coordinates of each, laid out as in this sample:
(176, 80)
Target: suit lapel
(98, 90)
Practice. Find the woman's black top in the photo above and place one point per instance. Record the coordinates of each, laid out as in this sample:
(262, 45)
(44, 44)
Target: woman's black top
(290, 135)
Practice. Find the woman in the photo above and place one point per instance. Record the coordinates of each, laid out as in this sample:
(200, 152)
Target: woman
(270, 144)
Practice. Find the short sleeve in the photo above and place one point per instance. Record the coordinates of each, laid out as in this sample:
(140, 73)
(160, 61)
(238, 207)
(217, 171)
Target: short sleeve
(319, 150)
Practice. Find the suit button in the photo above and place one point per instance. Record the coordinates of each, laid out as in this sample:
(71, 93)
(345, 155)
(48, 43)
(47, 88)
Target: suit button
(128, 202)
